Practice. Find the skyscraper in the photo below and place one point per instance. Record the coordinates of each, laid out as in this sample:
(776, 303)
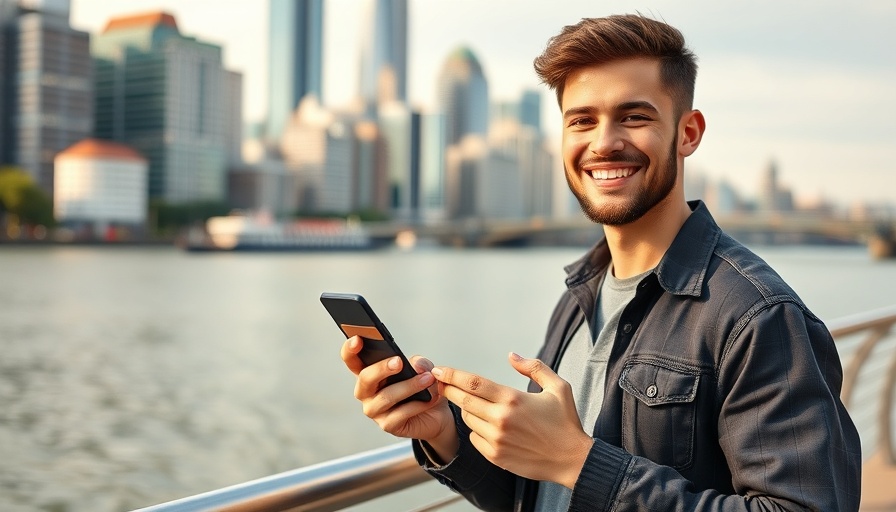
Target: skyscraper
(463, 96)
(168, 96)
(295, 59)
(515, 132)
(384, 52)
(46, 92)
(337, 160)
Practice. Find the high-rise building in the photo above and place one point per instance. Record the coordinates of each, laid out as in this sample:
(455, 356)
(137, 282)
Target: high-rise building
(463, 96)
(515, 132)
(481, 182)
(401, 131)
(337, 160)
(772, 196)
(432, 167)
(528, 149)
(384, 52)
(295, 59)
(168, 96)
(46, 91)
(8, 9)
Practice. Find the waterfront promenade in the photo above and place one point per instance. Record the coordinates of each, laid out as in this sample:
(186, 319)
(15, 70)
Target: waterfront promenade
(878, 485)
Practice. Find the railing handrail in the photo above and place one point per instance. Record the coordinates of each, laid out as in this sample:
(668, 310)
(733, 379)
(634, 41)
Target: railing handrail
(329, 485)
(355, 479)
(858, 322)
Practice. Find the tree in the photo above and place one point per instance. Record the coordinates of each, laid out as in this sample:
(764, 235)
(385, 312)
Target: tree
(20, 196)
(169, 218)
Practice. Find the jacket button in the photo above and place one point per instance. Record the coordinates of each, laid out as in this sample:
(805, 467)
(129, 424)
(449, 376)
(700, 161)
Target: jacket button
(627, 328)
(651, 391)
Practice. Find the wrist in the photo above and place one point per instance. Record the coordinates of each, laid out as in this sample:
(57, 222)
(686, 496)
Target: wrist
(575, 462)
(444, 445)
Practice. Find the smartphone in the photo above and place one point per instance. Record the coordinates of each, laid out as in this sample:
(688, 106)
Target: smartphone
(354, 316)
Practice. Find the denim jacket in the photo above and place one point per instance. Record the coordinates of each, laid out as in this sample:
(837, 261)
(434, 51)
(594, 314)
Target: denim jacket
(722, 393)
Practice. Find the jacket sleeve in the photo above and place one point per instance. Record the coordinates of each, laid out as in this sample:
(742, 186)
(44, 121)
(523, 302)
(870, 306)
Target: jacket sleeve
(786, 436)
(483, 484)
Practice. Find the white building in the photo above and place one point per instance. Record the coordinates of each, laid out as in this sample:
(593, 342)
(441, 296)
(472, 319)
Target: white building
(101, 184)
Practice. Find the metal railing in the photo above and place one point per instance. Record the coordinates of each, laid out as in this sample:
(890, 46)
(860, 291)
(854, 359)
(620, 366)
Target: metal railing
(356, 479)
(878, 325)
(330, 485)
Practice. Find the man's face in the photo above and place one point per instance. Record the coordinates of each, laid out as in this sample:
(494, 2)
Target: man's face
(620, 135)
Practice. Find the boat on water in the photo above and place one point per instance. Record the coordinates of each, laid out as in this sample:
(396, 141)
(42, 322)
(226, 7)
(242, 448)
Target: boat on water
(882, 242)
(261, 233)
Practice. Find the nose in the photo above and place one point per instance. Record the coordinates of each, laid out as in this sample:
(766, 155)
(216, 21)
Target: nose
(606, 139)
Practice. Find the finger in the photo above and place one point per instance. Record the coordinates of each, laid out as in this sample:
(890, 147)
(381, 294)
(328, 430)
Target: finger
(481, 428)
(386, 399)
(421, 364)
(349, 354)
(469, 382)
(392, 420)
(483, 446)
(372, 378)
(468, 402)
(536, 370)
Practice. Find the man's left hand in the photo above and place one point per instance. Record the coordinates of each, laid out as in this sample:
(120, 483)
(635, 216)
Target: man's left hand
(533, 435)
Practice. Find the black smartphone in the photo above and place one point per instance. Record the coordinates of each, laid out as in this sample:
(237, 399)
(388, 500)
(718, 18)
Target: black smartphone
(354, 316)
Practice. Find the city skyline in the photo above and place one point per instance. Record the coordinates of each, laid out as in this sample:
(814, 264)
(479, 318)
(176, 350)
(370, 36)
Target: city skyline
(796, 83)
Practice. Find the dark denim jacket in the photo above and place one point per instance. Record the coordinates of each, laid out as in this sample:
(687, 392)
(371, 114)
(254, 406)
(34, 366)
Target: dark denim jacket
(722, 393)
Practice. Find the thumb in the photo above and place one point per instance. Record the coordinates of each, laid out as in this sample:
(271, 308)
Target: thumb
(536, 370)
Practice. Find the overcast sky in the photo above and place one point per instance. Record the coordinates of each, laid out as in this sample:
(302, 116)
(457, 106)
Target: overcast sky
(808, 83)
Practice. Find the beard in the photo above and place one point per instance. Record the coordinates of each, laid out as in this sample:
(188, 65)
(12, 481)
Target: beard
(644, 199)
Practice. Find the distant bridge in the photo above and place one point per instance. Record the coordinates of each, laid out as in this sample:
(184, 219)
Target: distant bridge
(754, 228)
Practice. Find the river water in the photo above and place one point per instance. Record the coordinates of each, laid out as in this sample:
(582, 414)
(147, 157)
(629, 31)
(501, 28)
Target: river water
(133, 376)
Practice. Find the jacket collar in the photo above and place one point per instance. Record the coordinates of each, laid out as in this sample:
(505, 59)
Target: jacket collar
(682, 269)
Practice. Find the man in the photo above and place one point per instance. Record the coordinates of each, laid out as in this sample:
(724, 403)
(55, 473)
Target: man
(679, 371)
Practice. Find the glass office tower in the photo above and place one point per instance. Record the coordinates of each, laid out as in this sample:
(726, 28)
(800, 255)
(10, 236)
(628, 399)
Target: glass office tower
(168, 96)
(384, 52)
(295, 59)
(46, 91)
(463, 96)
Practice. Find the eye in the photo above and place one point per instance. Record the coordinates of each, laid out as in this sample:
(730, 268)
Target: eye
(581, 121)
(635, 118)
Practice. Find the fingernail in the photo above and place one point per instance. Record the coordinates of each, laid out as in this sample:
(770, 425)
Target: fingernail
(426, 379)
(436, 371)
(515, 356)
(394, 363)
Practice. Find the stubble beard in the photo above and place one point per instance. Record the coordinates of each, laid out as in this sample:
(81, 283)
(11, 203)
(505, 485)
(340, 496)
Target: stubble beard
(638, 205)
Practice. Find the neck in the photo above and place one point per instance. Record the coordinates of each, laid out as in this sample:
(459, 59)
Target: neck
(639, 246)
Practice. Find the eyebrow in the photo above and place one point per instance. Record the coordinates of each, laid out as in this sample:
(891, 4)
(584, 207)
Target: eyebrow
(637, 105)
(575, 111)
(625, 106)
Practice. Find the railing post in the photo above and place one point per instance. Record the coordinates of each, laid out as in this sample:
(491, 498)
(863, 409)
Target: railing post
(851, 374)
(885, 418)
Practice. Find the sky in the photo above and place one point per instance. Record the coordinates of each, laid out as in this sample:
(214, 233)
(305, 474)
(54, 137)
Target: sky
(808, 84)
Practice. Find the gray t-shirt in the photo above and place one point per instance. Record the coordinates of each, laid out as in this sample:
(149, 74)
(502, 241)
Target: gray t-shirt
(584, 366)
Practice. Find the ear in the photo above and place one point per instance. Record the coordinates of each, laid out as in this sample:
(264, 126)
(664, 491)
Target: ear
(691, 127)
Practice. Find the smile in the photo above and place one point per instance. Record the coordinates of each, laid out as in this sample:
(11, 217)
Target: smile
(609, 174)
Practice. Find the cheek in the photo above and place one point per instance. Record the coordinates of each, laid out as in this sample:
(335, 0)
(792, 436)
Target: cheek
(571, 147)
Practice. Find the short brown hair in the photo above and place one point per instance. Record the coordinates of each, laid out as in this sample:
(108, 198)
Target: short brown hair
(627, 36)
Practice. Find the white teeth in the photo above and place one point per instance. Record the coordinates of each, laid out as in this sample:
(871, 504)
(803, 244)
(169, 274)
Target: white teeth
(612, 173)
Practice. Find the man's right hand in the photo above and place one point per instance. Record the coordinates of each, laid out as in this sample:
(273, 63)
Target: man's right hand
(428, 421)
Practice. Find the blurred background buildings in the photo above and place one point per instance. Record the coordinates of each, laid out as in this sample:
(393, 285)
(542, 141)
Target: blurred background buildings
(147, 89)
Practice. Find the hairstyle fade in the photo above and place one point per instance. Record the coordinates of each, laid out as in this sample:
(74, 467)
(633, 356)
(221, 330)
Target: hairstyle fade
(626, 36)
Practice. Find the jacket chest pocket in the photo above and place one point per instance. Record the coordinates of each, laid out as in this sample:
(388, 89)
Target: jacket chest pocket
(658, 412)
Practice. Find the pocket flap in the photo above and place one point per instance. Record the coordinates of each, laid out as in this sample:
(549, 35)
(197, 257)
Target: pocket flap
(655, 384)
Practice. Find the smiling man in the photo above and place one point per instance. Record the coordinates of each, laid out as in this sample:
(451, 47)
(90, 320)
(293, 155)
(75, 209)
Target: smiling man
(679, 371)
